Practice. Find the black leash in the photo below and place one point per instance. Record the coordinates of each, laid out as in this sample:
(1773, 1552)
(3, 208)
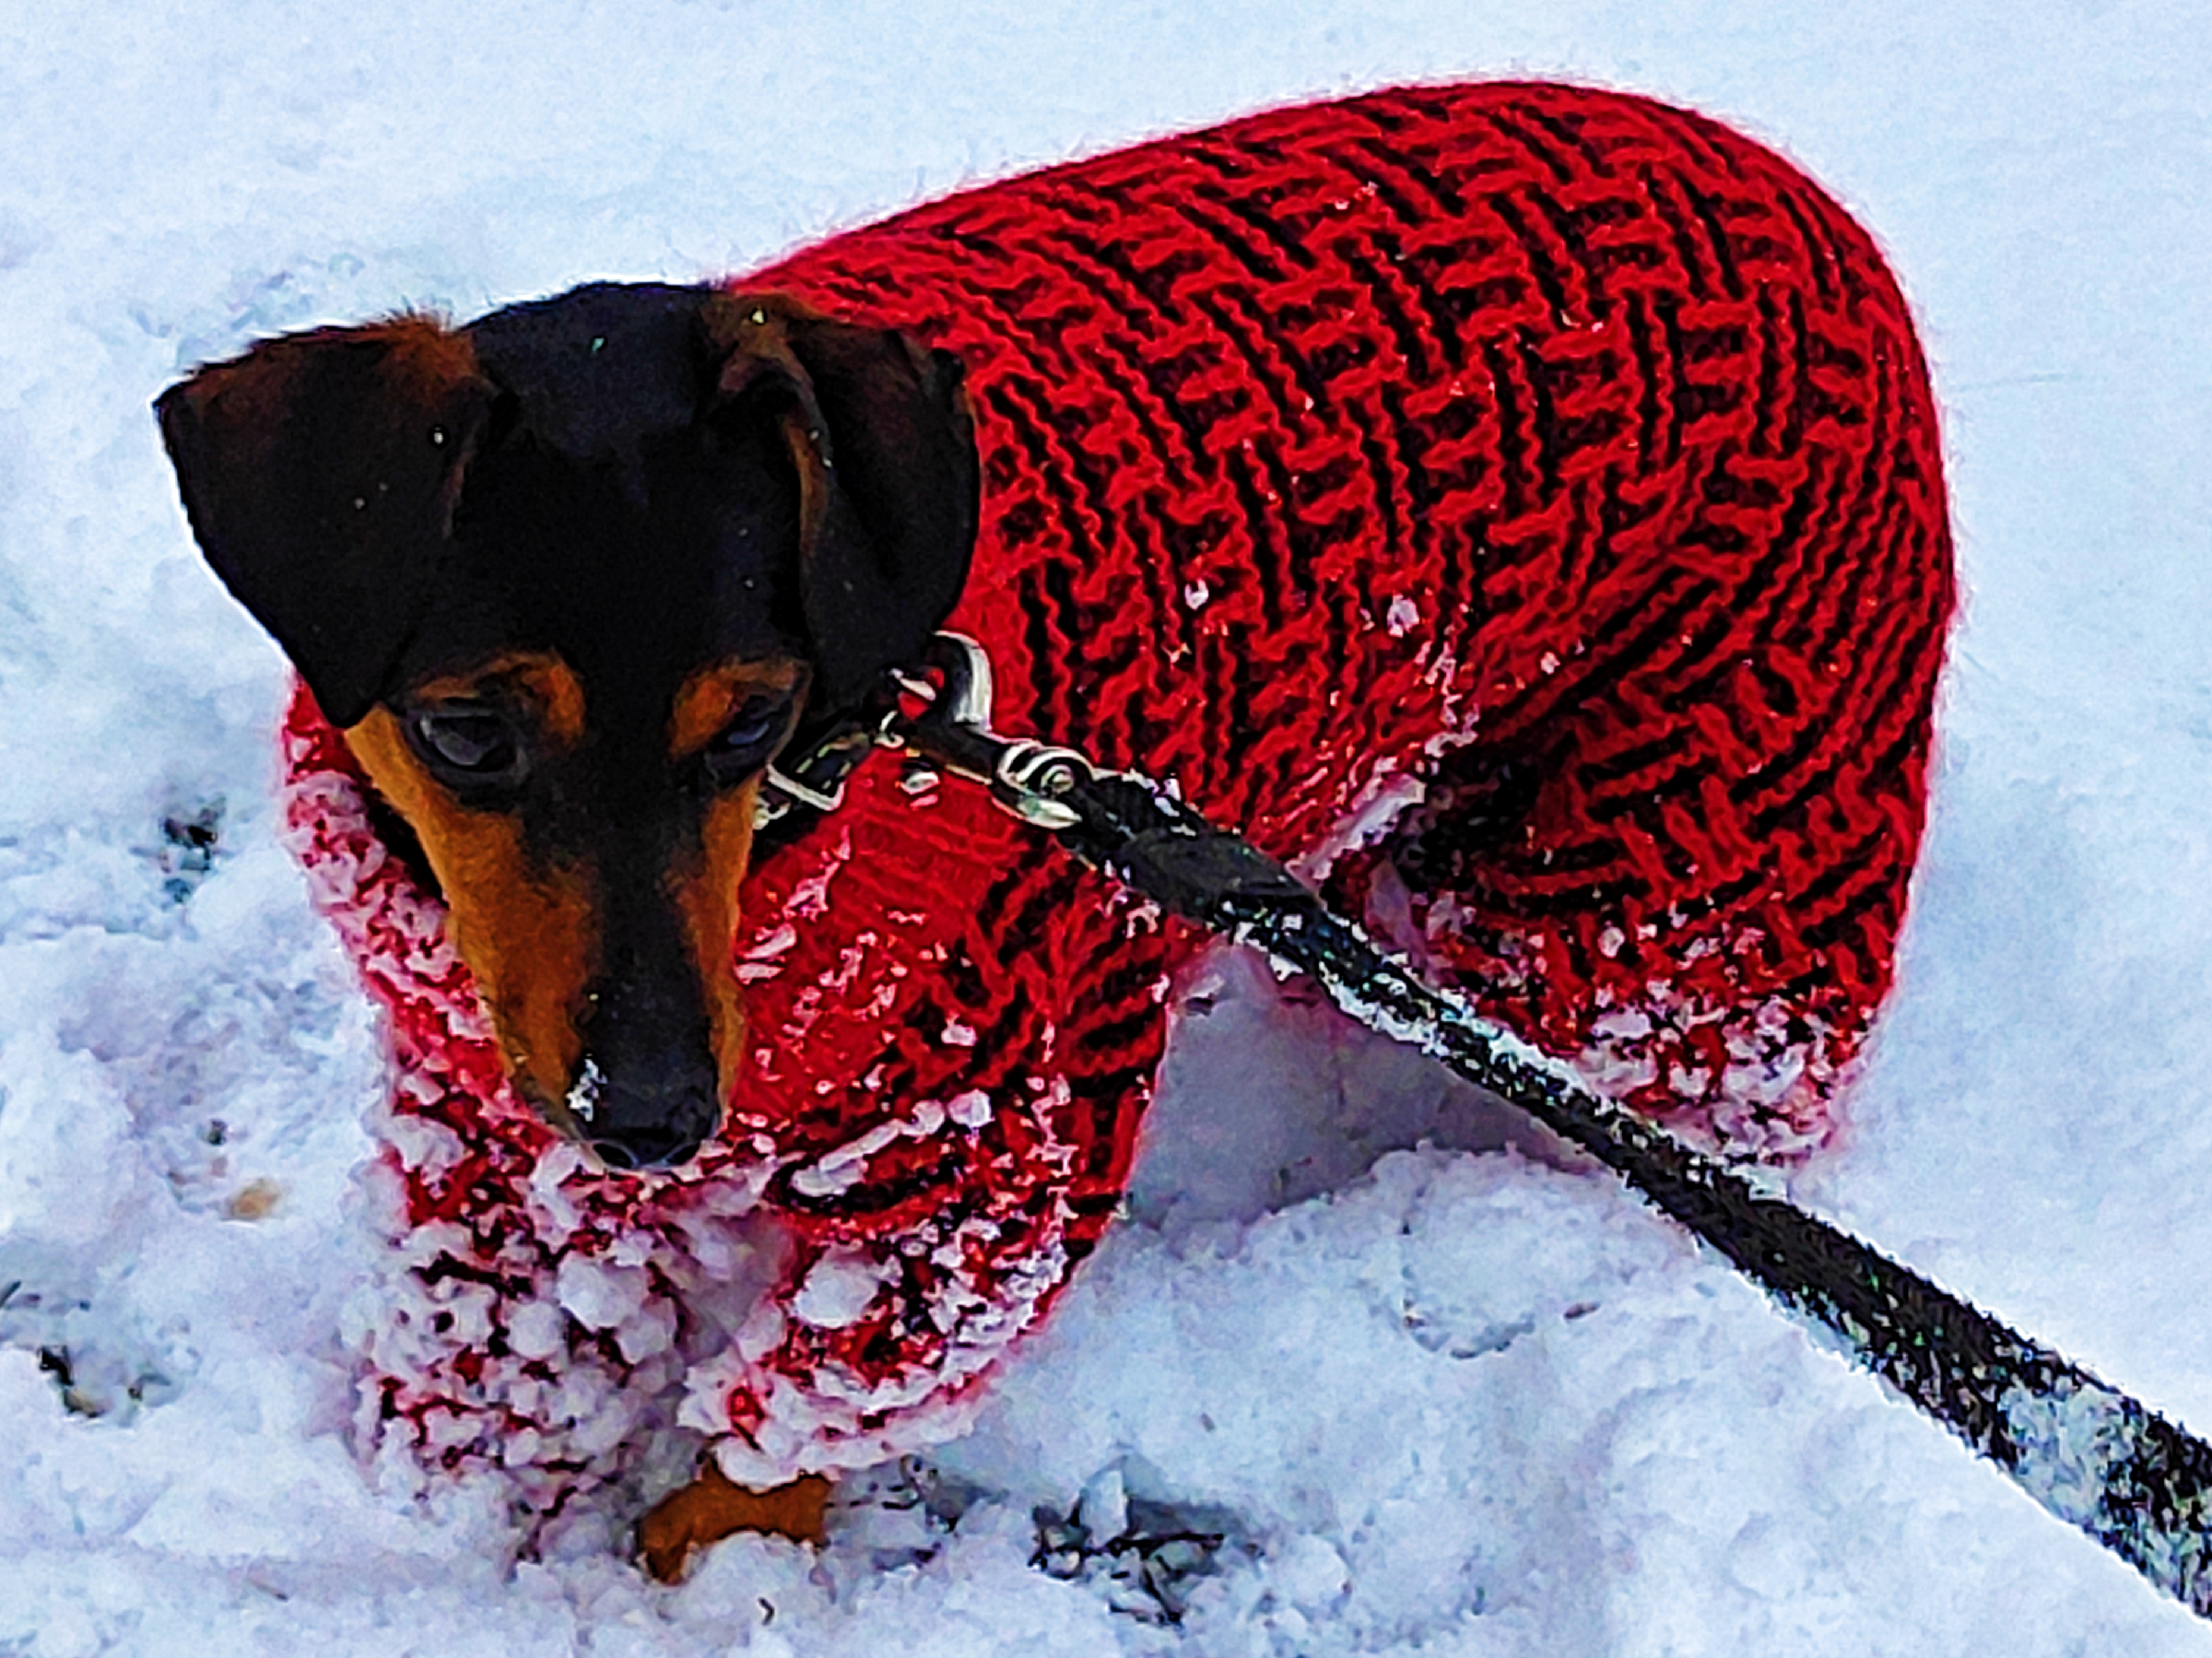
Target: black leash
(2088, 1453)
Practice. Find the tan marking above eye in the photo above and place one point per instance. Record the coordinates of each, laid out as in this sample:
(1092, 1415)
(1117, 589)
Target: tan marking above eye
(711, 697)
(546, 683)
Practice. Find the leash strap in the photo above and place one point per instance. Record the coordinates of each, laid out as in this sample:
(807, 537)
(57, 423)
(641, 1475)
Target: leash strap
(2087, 1452)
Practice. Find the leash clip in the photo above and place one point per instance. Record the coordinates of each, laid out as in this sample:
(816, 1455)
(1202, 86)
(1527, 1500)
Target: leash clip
(1031, 779)
(1027, 778)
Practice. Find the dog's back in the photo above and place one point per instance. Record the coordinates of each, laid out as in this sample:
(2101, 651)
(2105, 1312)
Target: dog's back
(1572, 436)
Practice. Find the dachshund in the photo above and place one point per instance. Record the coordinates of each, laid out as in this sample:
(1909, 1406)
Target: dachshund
(1518, 504)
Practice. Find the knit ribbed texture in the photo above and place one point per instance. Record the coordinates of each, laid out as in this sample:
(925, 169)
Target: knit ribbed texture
(1522, 504)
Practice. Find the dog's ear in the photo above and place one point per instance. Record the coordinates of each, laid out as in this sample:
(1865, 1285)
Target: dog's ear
(879, 431)
(319, 472)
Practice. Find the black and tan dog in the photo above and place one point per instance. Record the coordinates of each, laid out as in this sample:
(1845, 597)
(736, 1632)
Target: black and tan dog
(1553, 467)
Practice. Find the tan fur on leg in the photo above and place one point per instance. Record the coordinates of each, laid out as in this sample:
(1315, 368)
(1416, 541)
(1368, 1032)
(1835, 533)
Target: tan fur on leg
(710, 1508)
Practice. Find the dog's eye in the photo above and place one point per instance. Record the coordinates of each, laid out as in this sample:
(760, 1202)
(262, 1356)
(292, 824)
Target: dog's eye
(749, 741)
(467, 743)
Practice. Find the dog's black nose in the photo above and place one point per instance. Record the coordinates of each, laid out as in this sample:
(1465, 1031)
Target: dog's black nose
(646, 1094)
(646, 1150)
(651, 1111)
(640, 1129)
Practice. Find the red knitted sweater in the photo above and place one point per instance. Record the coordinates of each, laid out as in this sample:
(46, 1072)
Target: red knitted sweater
(1519, 503)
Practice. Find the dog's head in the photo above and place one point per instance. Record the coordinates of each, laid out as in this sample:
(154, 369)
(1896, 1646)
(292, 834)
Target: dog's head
(568, 578)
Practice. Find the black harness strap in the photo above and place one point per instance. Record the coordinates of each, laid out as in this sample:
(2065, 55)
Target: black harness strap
(2088, 1453)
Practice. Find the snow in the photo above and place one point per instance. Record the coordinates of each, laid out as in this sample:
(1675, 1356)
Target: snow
(1433, 1386)
(837, 1292)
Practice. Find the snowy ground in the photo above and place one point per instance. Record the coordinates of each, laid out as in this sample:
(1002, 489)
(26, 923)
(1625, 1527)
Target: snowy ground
(1449, 1401)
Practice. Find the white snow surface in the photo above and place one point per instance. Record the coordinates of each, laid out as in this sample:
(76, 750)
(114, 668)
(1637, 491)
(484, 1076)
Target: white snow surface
(1441, 1394)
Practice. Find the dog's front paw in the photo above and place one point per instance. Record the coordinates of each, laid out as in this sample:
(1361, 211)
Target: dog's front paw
(711, 1508)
